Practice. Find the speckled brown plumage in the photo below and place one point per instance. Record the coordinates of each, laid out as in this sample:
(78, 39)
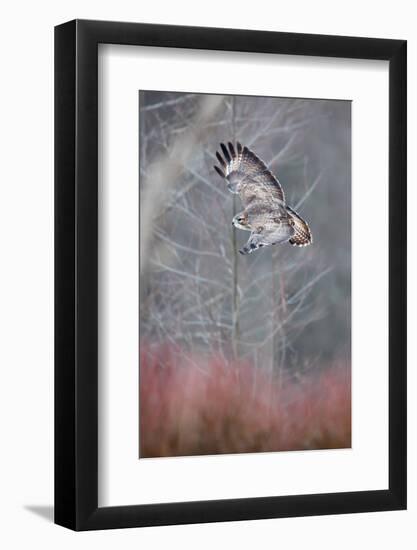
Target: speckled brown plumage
(266, 214)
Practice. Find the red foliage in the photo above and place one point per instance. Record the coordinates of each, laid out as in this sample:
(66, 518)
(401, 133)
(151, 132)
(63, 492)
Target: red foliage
(193, 407)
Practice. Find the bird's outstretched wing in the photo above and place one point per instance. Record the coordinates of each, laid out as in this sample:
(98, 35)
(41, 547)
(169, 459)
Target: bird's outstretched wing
(248, 175)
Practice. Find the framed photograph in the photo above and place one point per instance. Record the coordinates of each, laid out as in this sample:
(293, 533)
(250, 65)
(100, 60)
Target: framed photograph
(230, 255)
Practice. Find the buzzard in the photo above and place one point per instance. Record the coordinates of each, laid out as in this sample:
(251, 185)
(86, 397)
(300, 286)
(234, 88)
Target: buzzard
(266, 214)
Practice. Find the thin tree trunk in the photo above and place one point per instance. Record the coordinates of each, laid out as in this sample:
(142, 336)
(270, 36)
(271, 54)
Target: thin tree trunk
(235, 256)
(279, 314)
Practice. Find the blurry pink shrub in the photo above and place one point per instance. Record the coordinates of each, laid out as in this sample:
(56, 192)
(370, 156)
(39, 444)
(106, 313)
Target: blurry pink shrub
(195, 406)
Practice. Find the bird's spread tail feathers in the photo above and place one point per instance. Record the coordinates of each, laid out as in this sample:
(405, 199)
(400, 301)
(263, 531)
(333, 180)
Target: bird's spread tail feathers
(302, 235)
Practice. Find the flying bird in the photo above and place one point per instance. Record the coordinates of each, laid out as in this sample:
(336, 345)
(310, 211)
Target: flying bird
(266, 214)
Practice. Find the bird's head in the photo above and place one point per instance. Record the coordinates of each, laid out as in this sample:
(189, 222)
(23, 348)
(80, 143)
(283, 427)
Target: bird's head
(241, 221)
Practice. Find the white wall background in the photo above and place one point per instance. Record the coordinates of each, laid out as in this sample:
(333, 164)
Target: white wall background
(26, 289)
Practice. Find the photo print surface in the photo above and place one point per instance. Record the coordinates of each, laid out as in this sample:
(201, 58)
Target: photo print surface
(245, 274)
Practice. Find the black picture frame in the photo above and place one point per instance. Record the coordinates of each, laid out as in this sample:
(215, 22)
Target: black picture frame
(76, 272)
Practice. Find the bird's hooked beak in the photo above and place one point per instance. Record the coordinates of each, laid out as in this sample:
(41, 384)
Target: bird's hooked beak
(240, 222)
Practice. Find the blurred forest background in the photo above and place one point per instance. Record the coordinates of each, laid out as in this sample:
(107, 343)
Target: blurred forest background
(242, 353)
